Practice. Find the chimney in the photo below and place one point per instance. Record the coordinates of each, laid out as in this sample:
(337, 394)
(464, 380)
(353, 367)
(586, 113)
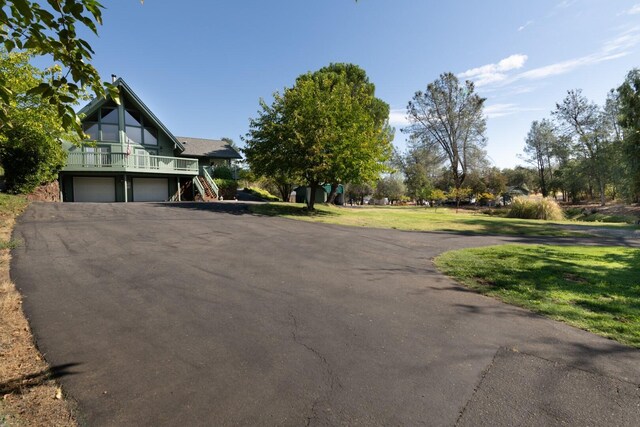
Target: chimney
(113, 78)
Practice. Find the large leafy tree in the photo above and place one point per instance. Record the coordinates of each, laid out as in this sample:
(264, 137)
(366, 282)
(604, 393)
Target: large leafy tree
(629, 119)
(347, 163)
(50, 29)
(324, 129)
(448, 117)
(30, 149)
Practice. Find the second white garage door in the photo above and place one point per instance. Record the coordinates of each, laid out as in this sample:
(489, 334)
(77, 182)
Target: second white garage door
(150, 189)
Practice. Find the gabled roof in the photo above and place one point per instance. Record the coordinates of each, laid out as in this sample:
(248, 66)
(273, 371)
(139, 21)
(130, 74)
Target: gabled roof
(201, 147)
(96, 103)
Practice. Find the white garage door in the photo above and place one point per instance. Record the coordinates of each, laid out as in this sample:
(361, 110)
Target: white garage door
(94, 189)
(150, 189)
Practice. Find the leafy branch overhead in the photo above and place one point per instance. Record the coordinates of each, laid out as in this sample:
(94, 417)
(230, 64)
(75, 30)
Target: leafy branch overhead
(51, 29)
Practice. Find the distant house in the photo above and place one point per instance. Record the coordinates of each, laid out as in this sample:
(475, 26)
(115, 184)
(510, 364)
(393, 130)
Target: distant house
(133, 157)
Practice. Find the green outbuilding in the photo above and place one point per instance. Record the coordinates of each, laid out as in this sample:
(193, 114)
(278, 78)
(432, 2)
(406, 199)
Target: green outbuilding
(322, 194)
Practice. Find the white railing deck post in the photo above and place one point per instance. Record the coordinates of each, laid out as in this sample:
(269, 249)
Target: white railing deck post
(82, 161)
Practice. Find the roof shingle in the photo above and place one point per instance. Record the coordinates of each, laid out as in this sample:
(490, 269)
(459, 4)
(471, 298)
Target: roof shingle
(201, 147)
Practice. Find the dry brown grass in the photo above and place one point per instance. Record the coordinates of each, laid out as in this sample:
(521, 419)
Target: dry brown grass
(28, 394)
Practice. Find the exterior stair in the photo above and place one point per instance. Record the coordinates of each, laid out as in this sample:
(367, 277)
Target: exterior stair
(208, 190)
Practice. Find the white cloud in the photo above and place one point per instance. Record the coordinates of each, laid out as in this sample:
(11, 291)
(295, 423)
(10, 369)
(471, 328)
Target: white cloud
(565, 4)
(526, 24)
(624, 41)
(398, 117)
(501, 110)
(612, 49)
(497, 75)
(635, 9)
(493, 73)
(567, 66)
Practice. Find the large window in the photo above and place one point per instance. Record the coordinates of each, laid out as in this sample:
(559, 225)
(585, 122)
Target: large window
(102, 125)
(138, 130)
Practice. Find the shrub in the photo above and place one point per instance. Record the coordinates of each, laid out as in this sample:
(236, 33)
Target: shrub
(30, 157)
(547, 209)
(485, 198)
(222, 172)
(227, 188)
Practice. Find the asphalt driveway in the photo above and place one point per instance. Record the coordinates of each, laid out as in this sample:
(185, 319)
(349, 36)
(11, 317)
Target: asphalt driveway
(202, 314)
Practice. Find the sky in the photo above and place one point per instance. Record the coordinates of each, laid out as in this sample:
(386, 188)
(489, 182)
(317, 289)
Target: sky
(203, 65)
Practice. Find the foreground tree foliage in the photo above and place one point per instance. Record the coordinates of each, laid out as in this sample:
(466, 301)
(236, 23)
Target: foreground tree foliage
(50, 29)
(328, 128)
(448, 118)
(30, 141)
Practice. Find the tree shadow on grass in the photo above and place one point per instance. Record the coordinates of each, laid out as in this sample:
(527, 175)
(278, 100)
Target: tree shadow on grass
(578, 289)
(248, 208)
(19, 384)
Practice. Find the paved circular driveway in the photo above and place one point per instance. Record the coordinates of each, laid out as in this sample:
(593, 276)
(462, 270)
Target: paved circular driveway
(202, 314)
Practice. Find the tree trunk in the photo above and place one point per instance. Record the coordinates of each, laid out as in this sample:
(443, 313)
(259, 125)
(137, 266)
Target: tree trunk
(603, 197)
(311, 201)
(543, 184)
(285, 191)
(332, 194)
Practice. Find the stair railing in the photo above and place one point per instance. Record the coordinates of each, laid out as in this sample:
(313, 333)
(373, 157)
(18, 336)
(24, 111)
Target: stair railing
(211, 182)
(199, 187)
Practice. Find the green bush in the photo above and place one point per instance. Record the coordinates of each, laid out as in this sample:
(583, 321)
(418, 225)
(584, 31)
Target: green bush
(30, 157)
(547, 209)
(222, 172)
(259, 192)
(227, 188)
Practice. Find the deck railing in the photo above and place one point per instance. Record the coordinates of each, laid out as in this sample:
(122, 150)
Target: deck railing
(123, 162)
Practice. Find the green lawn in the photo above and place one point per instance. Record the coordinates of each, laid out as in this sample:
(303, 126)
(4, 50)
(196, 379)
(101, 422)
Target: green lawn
(427, 219)
(593, 288)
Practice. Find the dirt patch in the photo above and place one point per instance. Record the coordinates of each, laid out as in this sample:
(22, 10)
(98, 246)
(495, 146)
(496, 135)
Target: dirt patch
(46, 193)
(575, 279)
(29, 394)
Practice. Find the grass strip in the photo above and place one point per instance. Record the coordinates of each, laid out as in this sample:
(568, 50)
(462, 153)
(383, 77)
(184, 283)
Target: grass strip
(593, 288)
(430, 219)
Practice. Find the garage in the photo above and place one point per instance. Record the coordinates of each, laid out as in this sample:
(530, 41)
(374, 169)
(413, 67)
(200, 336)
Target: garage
(94, 189)
(150, 189)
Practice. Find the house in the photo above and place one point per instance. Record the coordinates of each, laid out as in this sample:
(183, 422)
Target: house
(134, 157)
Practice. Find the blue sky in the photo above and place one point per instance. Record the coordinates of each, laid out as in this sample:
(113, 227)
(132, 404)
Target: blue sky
(202, 65)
